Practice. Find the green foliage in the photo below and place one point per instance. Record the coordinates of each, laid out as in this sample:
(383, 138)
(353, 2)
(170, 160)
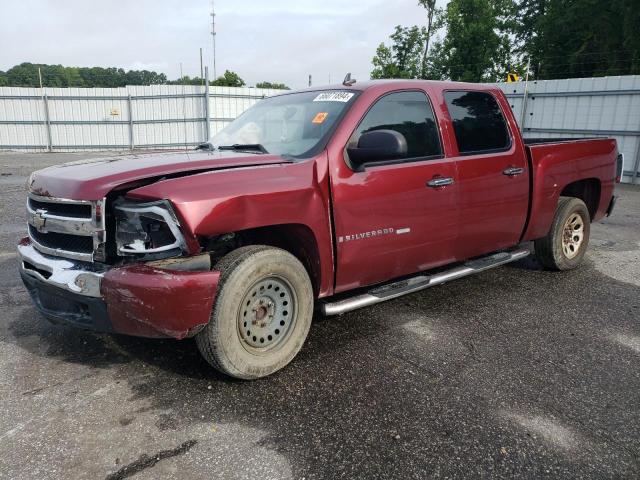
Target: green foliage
(485, 39)
(584, 38)
(26, 75)
(403, 59)
(187, 80)
(277, 86)
(477, 46)
(229, 79)
(434, 22)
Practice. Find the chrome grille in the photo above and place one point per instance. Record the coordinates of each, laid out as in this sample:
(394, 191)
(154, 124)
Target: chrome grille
(73, 210)
(67, 228)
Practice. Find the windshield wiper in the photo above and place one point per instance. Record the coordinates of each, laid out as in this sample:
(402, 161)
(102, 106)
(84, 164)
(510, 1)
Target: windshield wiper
(205, 146)
(250, 147)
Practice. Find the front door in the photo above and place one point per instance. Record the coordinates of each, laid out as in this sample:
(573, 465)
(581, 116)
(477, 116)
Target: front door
(395, 217)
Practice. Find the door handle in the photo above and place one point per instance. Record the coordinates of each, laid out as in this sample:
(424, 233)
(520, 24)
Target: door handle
(440, 182)
(512, 171)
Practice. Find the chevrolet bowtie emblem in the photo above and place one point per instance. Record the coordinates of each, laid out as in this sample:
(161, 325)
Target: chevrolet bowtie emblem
(38, 220)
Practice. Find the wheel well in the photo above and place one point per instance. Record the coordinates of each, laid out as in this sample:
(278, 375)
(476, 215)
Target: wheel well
(297, 239)
(587, 190)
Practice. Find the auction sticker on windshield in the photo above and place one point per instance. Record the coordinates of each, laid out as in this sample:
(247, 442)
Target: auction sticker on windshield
(320, 117)
(334, 97)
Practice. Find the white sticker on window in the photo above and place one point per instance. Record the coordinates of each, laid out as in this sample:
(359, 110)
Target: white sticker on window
(343, 97)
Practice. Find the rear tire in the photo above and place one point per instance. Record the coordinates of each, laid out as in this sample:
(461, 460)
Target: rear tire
(566, 243)
(262, 313)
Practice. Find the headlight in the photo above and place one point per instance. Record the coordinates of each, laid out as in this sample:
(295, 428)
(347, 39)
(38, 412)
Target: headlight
(147, 228)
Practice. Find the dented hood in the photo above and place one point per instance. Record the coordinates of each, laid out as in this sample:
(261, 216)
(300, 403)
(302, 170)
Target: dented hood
(93, 179)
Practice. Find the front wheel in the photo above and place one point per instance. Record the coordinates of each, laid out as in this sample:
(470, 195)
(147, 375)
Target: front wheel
(262, 313)
(566, 243)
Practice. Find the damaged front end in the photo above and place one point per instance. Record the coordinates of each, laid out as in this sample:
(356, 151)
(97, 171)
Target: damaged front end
(150, 285)
(147, 230)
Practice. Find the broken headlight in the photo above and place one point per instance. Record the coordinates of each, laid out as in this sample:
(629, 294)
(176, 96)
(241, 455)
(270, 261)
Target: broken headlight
(147, 229)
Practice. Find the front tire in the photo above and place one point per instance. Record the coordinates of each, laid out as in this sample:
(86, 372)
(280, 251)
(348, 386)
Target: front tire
(262, 313)
(566, 243)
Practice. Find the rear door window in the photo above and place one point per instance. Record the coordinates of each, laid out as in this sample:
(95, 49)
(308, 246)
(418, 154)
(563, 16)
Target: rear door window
(478, 122)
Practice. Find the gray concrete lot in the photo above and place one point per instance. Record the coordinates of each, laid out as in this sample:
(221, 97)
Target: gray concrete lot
(516, 372)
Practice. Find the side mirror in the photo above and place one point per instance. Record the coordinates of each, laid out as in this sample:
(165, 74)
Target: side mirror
(378, 145)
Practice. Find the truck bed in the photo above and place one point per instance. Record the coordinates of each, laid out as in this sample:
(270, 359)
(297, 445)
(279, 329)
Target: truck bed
(558, 163)
(538, 141)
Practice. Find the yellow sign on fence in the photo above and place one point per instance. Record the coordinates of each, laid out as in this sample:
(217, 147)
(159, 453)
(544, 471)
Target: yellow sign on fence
(512, 77)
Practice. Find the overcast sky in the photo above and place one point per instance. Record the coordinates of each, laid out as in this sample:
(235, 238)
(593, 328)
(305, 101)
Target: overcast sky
(272, 40)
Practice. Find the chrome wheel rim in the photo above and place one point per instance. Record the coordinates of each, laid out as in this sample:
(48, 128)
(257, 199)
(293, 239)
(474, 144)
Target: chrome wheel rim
(267, 314)
(572, 235)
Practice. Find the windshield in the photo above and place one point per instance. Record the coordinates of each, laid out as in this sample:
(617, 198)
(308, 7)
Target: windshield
(291, 125)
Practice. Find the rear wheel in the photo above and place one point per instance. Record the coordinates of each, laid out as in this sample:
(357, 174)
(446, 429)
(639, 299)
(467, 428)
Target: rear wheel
(566, 243)
(262, 313)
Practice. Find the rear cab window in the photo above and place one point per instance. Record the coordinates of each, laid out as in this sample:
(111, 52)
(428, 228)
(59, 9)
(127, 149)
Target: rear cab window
(478, 122)
(409, 113)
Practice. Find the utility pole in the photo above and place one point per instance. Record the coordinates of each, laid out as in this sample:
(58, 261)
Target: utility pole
(201, 70)
(213, 38)
(309, 80)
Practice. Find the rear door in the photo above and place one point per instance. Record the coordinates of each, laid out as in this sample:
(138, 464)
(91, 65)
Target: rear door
(493, 175)
(388, 220)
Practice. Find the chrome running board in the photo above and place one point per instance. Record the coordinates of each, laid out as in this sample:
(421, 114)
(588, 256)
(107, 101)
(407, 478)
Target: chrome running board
(421, 282)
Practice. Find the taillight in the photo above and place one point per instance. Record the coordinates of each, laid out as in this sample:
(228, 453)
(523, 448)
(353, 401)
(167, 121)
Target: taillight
(619, 167)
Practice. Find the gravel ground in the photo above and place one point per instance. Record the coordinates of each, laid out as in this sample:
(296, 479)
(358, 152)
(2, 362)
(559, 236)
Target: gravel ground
(515, 372)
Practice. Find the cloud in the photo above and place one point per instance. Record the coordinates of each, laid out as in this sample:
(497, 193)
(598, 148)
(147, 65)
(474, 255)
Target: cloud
(280, 40)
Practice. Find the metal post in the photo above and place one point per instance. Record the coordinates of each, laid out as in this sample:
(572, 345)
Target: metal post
(523, 116)
(207, 117)
(201, 71)
(184, 109)
(45, 102)
(47, 121)
(636, 166)
(131, 142)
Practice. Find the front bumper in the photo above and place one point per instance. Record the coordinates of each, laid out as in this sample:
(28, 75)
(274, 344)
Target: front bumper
(144, 300)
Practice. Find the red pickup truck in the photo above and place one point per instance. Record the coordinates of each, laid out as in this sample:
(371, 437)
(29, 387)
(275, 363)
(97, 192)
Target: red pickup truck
(332, 198)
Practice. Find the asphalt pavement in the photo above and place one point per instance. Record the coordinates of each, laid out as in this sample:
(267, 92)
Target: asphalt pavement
(514, 373)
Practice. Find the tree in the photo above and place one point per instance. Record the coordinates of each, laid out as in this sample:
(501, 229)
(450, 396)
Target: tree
(477, 45)
(433, 23)
(26, 75)
(582, 38)
(144, 77)
(23, 75)
(404, 58)
(630, 17)
(529, 25)
(277, 86)
(187, 80)
(229, 79)
(485, 39)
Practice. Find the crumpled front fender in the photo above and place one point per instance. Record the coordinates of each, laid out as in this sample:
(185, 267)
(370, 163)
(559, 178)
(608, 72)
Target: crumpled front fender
(153, 302)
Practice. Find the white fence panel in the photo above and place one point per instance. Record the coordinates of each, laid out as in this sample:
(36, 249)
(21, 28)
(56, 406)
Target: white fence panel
(175, 116)
(156, 116)
(582, 107)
